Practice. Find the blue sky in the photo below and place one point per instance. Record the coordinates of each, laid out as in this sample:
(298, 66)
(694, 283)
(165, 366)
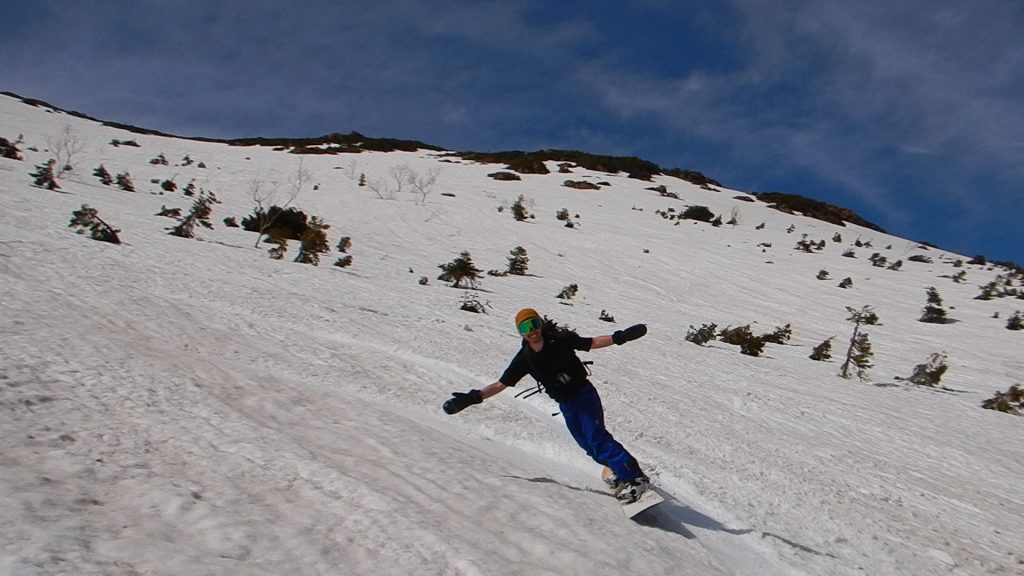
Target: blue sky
(910, 112)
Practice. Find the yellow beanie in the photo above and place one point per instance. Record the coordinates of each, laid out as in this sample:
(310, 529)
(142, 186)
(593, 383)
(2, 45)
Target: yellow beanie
(526, 314)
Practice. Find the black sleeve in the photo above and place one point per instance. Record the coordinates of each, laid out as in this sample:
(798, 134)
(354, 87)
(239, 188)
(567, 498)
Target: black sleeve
(581, 343)
(516, 371)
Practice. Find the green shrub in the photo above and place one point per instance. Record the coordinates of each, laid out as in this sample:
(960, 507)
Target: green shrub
(88, 219)
(703, 335)
(200, 213)
(823, 351)
(701, 213)
(105, 178)
(291, 222)
(313, 242)
(124, 182)
(519, 211)
(569, 292)
(1015, 322)
(1011, 401)
(518, 261)
(44, 177)
(780, 335)
(9, 149)
(460, 270)
(933, 312)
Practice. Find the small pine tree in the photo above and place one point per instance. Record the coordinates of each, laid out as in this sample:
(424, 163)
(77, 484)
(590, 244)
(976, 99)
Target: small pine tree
(989, 291)
(1015, 322)
(105, 178)
(44, 177)
(124, 182)
(519, 211)
(703, 335)
(344, 244)
(517, 261)
(202, 207)
(345, 261)
(846, 282)
(780, 335)
(460, 270)
(88, 219)
(314, 242)
(933, 312)
(569, 292)
(859, 353)
(823, 351)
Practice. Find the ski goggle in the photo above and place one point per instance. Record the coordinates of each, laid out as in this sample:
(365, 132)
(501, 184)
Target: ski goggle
(529, 324)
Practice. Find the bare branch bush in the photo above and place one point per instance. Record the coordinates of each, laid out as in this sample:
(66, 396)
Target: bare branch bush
(65, 146)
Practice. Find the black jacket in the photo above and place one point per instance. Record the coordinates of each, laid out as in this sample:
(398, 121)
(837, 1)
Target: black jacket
(557, 368)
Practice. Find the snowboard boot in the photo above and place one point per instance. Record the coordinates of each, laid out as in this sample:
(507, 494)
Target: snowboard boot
(631, 490)
(611, 480)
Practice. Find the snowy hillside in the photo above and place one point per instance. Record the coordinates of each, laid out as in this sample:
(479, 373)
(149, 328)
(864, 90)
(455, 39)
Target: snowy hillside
(193, 406)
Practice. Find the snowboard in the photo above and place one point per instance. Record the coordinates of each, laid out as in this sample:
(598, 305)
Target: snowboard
(646, 500)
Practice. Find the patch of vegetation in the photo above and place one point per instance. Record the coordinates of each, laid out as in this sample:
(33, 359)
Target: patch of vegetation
(701, 213)
(701, 336)
(460, 270)
(518, 261)
(929, 373)
(1010, 402)
(88, 219)
(933, 312)
(9, 149)
(859, 353)
(823, 351)
(569, 292)
(313, 242)
(791, 203)
(44, 177)
(200, 213)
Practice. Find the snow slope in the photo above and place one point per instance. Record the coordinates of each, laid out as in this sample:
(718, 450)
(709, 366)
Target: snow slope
(174, 406)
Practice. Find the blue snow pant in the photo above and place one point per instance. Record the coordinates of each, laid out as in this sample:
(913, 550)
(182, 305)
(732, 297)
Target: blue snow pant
(584, 416)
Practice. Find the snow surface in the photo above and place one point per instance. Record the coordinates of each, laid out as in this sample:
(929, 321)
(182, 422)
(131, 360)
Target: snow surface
(174, 406)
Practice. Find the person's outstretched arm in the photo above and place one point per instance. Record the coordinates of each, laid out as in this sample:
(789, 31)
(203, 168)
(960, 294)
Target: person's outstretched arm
(462, 400)
(619, 336)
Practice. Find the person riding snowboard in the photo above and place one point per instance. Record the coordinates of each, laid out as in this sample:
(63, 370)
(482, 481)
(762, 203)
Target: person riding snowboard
(549, 355)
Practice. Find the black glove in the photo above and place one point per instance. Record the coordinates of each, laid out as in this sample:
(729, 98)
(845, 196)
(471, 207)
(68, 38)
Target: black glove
(462, 400)
(635, 331)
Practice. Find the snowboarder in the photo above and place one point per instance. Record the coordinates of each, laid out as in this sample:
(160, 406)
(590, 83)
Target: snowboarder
(549, 355)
